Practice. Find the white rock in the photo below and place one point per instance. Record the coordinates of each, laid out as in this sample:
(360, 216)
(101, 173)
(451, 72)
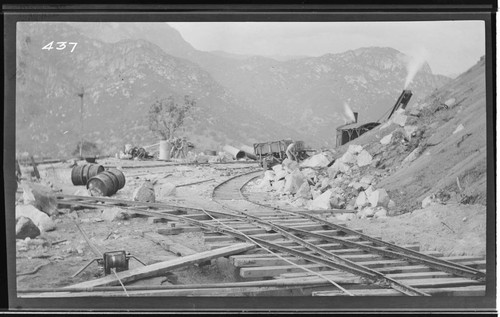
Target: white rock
(429, 201)
(41, 197)
(322, 201)
(309, 173)
(315, 194)
(364, 158)
(40, 219)
(367, 179)
(386, 140)
(279, 172)
(369, 211)
(337, 167)
(304, 191)
(26, 228)
(358, 186)
(165, 190)
(348, 158)
(269, 175)
(458, 129)
(361, 200)
(450, 102)
(293, 181)
(145, 193)
(300, 202)
(114, 214)
(355, 149)
(409, 130)
(278, 185)
(289, 165)
(379, 198)
(400, 119)
(380, 213)
(316, 161)
(369, 191)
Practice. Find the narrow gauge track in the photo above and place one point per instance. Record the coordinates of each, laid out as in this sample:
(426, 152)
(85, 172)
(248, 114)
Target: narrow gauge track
(442, 272)
(312, 245)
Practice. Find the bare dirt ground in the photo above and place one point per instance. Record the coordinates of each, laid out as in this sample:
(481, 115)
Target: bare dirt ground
(61, 260)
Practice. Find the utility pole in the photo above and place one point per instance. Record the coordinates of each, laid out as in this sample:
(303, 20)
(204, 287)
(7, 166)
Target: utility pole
(81, 120)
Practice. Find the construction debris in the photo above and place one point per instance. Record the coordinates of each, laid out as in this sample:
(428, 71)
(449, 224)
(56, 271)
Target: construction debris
(40, 219)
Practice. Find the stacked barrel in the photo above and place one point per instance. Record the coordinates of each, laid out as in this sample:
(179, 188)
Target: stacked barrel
(98, 181)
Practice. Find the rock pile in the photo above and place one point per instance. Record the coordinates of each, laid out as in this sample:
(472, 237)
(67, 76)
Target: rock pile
(322, 183)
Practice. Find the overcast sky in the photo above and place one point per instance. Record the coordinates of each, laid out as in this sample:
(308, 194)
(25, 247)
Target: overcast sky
(451, 46)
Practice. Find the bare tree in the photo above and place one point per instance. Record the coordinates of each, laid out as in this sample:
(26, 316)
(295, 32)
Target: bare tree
(166, 115)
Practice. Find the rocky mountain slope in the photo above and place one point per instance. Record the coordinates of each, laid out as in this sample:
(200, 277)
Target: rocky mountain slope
(433, 153)
(120, 81)
(306, 93)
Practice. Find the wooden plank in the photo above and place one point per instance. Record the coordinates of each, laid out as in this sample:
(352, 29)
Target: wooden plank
(178, 230)
(168, 244)
(479, 290)
(163, 267)
(441, 282)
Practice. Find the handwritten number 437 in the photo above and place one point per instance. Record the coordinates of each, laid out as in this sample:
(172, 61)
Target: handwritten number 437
(59, 46)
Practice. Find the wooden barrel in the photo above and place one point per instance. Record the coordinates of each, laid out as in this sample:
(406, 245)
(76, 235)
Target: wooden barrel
(119, 176)
(103, 184)
(80, 174)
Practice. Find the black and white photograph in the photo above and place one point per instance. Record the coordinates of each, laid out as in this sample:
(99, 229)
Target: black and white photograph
(301, 158)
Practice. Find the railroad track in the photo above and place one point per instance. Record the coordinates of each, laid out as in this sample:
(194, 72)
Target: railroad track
(328, 259)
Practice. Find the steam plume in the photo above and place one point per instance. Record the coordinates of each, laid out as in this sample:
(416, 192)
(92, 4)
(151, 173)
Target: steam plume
(417, 60)
(348, 114)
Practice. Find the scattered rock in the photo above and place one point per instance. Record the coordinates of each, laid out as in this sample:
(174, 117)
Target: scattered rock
(386, 140)
(114, 214)
(322, 201)
(409, 130)
(289, 165)
(337, 167)
(361, 200)
(316, 161)
(391, 205)
(355, 149)
(399, 118)
(367, 179)
(369, 212)
(345, 217)
(40, 197)
(458, 129)
(26, 228)
(145, 193)
(415, 112)
(293, 181)
(412, 156)
(450, 102)
(364, 158)
(269, 176)
(304, 191)
(278, 185)
(40, 219)
(429, 201)
(166, 190)
(337, 201)
(348, 158)
(279, 172)
(379, 198)
(380, 213)
(201, 159)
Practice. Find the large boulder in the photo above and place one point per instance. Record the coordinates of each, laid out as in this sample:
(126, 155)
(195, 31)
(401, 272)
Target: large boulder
(364, 158)
(355, 149)
(361, 200)
(293, 181)
(316, 161)
(26, 228)
(278, 185)
(41, 197)
(336, 168)
(348, 158)
(40, 219)
(166, 190)
(322, 201)
(114, 214)
(304, 191)
(387, 139)
(379, 197)
(399, 118)
(279, 172)
(145, 193)
(289, 165)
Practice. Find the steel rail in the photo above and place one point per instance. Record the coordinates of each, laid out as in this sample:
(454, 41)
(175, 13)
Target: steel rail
(428, 260)
(350, 266)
